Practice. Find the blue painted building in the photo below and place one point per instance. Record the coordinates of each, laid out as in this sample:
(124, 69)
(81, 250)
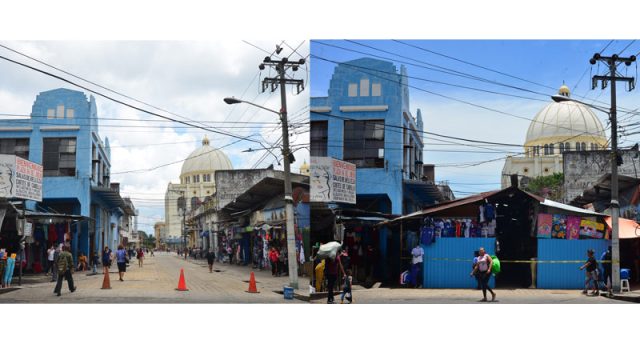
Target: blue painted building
(62, 135)
(366, 119)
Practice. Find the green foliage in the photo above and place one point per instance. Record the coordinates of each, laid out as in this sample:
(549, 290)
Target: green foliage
(546, 186)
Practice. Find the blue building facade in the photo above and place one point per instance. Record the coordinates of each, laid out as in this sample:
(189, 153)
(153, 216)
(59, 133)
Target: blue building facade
(62, 135)
(366, 120)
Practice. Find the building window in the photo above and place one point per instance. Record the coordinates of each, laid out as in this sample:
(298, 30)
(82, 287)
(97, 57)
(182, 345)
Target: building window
(364, 143)
(584, 147)
(71, 113)
(17, 147)
(561, 148)
(551, 149)
(364, 87)
(526, 170)
(51, 113)
(319, 138)
(546, 149)
(353, 90)
(595, 147)
(187, 179)
(567, 146)
(376, 89)
(206, 178)
(59, 156)
(60, 112)
(196, 179)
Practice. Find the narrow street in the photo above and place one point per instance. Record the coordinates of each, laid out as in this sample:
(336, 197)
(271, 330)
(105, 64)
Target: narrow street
(156, 282)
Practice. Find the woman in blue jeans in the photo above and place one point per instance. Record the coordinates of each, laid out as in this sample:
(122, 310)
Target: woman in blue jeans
(482, 271)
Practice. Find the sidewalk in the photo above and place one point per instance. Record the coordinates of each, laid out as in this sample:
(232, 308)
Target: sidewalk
(631, 296)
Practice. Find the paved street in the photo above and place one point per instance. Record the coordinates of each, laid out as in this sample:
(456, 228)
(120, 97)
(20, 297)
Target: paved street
(156, 283)
(462, 296)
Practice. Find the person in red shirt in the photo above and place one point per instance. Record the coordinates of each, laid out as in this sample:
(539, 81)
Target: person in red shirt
(273, 258)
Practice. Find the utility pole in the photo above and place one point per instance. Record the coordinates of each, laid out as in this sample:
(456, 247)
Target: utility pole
(616, 160)
(281, 80)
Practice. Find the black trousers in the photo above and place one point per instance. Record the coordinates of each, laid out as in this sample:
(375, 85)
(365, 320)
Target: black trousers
(66, 275)
(331, 280)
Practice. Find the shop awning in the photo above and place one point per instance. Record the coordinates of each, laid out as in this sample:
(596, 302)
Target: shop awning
(628, 229)
(570, 208)
(109, 196)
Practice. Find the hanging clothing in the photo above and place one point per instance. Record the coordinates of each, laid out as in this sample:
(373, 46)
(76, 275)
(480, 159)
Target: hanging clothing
(53, 235)
(481, 218)
(489, 212)
(426, 235)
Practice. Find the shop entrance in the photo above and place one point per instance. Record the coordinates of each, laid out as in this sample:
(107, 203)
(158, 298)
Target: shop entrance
(513, 240)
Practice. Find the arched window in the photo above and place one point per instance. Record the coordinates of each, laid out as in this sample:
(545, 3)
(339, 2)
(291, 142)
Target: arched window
(567, 147)
(577, 146)
(551, 150)
(561, 148)
(546, 149)
(584, 146)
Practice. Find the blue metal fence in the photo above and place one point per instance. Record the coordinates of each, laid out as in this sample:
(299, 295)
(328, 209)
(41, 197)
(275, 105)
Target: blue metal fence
(447, 262)
(565, 275)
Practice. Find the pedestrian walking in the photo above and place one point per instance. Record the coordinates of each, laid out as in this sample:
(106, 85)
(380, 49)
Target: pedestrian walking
(607, 270)
(56, 255)
(140, 257)
(331, 273)
(273, 258)
(211, 257)
(65, 268)
(417, 254)
(152, 253)
(94, 262)
(107, 258)
(482, 271)
(346, 290)
(122, 260)
(591, 274)
(50, 257)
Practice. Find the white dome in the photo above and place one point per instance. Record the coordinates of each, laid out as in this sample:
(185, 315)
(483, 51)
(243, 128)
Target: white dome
(564, 121)
(205, 160)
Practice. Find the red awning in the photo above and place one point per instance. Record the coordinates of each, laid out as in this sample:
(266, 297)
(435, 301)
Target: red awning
(629, 229)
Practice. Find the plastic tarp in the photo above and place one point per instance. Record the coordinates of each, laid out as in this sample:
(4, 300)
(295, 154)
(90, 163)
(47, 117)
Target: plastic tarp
(628, 229)
(329, 250)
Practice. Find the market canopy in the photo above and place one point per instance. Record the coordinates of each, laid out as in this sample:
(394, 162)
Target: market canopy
(628, 229)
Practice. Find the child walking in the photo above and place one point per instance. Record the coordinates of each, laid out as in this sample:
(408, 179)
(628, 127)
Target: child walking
(348, 280)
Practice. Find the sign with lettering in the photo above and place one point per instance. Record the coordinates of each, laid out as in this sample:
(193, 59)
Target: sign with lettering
(20, 178)
(332, 180)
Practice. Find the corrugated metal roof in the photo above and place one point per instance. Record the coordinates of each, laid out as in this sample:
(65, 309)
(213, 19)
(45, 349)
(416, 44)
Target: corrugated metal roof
(557, 205)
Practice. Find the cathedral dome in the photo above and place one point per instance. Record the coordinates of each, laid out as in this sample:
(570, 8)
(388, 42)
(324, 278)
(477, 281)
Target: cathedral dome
(566, 121)
(205, 160)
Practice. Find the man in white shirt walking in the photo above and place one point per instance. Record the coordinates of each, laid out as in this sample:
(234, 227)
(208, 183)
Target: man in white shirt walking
(417, 254)
(50, 257)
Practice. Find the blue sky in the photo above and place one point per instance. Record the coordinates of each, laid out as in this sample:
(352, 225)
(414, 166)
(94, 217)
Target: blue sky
(543, 66)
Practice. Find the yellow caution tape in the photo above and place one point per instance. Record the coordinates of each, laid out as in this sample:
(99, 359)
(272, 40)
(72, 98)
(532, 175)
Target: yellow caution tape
(527, 261)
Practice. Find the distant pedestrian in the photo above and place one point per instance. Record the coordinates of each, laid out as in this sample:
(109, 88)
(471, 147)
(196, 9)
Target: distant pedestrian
(482, 271)
(152, 253)
(346, 289)
(211, 256)
(122, 259)
(50, 257)
(107, 258)
(56, 255)
(94, 262)
(82, 262)
(273, 258)
(607, 269)
(140, 257)
(417, 254)
(65, 268)
(591, 274)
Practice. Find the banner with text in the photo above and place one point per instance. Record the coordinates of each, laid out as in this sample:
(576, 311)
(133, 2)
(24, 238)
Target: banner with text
(332, 180)
(20, 178)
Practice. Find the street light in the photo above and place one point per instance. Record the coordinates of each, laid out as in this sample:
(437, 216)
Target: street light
(288, 198)
(615, 205)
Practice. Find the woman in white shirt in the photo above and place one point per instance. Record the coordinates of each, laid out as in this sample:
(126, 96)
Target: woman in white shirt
(482, 271)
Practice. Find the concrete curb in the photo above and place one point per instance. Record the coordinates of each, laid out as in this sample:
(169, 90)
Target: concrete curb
(635, 299)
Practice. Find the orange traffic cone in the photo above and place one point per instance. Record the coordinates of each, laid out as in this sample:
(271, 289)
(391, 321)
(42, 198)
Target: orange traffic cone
(182, 286)
(252, 284)
(106, 283)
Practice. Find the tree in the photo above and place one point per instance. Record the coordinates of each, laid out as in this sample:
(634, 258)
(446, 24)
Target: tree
(550, 186)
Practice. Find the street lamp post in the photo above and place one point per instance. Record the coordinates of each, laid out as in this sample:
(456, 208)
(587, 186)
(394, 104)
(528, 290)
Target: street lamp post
(288, 197)
(615, 206)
